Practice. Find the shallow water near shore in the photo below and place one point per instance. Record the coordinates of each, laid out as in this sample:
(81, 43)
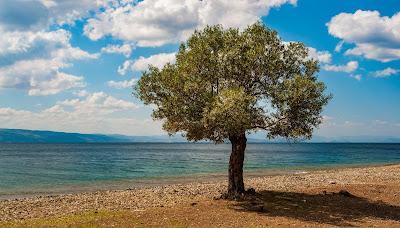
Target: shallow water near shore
(31, 169)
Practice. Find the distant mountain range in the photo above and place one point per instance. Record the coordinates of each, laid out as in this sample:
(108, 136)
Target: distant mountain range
(34, 136)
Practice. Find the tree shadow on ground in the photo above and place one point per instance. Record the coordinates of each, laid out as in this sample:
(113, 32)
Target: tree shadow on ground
(327, 208)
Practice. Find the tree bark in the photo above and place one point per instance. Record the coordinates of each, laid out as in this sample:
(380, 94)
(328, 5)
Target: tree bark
(236, 185)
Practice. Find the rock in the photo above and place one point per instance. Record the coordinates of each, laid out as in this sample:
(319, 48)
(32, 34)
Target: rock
(332, 182)
(324, 192)
(345, 193)
(193, 204)
(251, 191)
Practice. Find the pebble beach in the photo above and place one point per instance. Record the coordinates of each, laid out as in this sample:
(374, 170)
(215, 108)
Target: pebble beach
(170, 196)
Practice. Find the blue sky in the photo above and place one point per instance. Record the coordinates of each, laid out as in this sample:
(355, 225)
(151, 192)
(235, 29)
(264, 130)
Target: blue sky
(69, 65)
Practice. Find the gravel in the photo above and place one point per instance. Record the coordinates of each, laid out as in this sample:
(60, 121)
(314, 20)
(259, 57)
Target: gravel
(170, 195)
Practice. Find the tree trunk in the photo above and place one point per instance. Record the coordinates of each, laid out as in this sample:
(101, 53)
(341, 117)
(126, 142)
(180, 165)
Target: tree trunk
(236, 185)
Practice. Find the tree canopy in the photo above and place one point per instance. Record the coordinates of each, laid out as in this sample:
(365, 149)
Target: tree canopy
(228, 82)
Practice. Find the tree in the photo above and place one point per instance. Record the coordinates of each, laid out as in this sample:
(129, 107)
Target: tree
(227, 83)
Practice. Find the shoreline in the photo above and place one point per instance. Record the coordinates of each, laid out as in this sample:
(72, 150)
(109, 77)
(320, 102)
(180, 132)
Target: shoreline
(356, 180)
(151, 182)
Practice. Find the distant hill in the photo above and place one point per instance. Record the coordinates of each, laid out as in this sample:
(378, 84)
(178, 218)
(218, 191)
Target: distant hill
(19, 135)
(35, 136)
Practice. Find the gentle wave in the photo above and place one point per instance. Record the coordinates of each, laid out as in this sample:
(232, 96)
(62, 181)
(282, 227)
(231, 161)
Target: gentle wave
(30, 168)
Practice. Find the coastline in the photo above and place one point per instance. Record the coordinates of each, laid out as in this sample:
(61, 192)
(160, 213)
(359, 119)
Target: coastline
(143, 183)
(356, 180)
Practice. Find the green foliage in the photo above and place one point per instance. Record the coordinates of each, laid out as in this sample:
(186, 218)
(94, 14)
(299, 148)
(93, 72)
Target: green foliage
(226, 82)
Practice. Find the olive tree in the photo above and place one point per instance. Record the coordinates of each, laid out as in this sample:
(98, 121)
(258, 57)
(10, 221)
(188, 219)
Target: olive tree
(227, 83)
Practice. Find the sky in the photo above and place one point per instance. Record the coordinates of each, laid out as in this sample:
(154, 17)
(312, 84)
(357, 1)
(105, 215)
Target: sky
(69, 65)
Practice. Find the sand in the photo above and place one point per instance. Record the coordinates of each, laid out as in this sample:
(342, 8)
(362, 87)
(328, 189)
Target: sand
(304, 199)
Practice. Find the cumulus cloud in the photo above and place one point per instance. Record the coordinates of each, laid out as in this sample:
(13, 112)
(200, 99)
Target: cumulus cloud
(32, 56)
(158, 22)
(125, 67)
(99, 102)
(122, 84)
(18, 42)
(33, 61)
(385, 72)
(321, 56)
(95, 112)
(348, 68)
(39, 14)
(375, 37)
(125, 49)
(59, 82)
(371, 51)
(39, 77)
(158, 60)
(81, 93)
(142, 63)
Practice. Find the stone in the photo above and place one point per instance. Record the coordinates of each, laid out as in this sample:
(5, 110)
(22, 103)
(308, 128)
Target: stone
(345, 193)
(251, 191)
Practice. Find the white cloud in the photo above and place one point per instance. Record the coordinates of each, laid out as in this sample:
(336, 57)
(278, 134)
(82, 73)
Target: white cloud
(125, 49)
(73, 53)
(321, 56)
(158, 60)
(39, 77)
(100, 103)
(375, 36)
(125, 67)
(349, 67)
(61, 81)
(81, 93)
(122, 84)
(22, 42)
(385, 72)
(371, 51)
(36, 60)
(339, 46)
(67, 11)
(142, 63)
(356, 76)
(158, 22)
(96, 112)
(32, 57)
(37, 15)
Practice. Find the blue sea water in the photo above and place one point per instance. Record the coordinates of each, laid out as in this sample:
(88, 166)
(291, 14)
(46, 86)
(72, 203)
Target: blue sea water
(54, 168)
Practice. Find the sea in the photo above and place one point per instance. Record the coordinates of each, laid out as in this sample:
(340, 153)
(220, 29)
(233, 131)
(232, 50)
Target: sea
(45, 169)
